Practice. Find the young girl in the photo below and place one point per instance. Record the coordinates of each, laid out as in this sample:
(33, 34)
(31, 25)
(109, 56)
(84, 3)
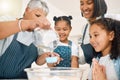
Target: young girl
(67, 50)
(105, 38)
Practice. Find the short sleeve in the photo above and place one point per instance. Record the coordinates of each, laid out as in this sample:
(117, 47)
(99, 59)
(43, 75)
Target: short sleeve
(75, 50)
(81, 56)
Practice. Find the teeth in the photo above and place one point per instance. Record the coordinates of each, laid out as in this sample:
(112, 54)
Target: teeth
(86, 12)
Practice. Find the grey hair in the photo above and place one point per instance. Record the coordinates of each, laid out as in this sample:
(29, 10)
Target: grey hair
(33, 4)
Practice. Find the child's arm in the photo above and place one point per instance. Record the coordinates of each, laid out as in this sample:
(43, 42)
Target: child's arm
(74, 62)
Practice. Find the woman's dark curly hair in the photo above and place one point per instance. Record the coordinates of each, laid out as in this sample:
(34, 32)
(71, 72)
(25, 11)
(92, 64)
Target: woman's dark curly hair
(111, 25)
(65, 18)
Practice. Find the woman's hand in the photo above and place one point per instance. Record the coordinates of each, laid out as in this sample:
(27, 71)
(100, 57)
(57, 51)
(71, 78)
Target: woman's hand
(30, 25)
(42, 58)
(98, 71)
(58, 60)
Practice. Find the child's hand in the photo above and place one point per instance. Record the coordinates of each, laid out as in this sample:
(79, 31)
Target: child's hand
(98, 71)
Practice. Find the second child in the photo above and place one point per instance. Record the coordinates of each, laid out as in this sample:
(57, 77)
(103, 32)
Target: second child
(67, 50)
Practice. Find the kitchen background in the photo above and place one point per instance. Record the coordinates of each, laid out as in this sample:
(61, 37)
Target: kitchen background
(59, 7)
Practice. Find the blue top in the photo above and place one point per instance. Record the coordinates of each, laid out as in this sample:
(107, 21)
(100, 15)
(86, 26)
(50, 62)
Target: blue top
(65, 53)
(117, 66)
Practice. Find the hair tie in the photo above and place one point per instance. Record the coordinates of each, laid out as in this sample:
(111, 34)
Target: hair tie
(70, 17)
(55, 18)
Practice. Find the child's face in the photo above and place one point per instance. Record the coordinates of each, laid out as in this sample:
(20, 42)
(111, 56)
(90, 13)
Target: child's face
(87, 8)
(63, 30)
(100, 39)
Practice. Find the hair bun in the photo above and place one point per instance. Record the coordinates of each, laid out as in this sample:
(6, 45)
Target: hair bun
(70, 17)
(55, 18)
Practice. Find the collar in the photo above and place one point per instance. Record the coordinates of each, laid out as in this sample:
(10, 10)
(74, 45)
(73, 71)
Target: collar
(26, 37)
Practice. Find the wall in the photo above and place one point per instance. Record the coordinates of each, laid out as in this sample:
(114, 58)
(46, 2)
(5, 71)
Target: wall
(64, 8)
(10, 8)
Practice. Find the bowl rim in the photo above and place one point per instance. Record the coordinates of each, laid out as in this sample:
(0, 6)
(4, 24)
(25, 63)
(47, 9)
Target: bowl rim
(53, 69)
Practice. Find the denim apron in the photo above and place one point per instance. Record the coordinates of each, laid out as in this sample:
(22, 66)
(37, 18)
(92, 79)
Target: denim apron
(65, 53)
(15, 59)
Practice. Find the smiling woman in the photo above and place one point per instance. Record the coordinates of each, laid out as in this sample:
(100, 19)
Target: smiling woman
(10, 7)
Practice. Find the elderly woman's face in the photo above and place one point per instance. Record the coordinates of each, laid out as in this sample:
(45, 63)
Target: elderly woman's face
(34, 13)
(87, 8)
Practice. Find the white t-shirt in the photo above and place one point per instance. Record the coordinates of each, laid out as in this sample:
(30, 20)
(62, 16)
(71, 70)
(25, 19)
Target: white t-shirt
(87, 37)
(109, 67)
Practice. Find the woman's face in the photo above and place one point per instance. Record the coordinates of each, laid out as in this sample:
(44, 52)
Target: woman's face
(63, 30)
(101, 39)
(87, 8)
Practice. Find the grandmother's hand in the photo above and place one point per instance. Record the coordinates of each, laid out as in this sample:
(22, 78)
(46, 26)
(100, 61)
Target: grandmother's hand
(30, 25)
(58, 60)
